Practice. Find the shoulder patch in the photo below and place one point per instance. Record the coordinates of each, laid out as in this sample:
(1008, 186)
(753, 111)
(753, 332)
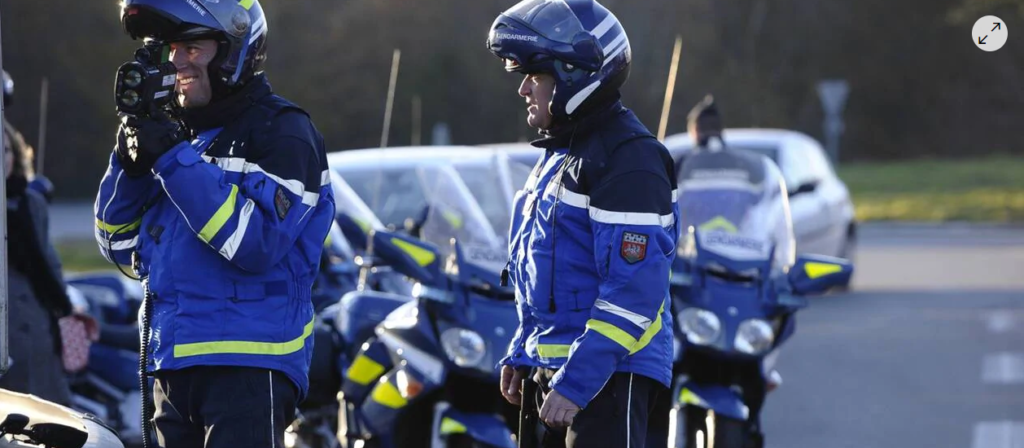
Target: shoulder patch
(281, 203)
(634, 247)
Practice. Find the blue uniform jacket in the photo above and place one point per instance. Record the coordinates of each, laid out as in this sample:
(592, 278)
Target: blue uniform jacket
(591, 245)
(229, 229)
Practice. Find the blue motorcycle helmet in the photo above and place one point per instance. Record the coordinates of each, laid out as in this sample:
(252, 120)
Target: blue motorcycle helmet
(580, 42)
(239, 27)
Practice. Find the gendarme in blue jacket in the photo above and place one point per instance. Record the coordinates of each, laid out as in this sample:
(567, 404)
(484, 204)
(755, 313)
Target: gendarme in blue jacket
(229, 230)
(591, 245)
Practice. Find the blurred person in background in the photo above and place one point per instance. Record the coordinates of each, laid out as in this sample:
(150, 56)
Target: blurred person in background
(36, 290)
(596, 329)
(35, 181)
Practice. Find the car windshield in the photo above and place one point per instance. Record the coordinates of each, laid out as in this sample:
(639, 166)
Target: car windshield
(769, 150)
(432, 193)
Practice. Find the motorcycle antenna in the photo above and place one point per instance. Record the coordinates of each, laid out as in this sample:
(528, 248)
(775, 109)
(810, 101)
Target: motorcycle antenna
(44, 101)
(670, 88)
(396, 57)
(5, 360)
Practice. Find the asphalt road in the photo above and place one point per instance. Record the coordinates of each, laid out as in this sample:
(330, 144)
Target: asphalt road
(928, 351)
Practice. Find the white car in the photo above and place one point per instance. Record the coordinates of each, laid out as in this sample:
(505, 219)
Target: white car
(823, 212)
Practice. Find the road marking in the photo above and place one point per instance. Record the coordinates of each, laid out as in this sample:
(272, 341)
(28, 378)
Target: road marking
(999, 321)
(1003, 368)
(998, 435)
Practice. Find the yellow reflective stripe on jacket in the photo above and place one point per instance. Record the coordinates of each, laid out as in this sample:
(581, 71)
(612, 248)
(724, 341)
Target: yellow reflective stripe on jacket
(623, 338)
(364, 370)
(244, 347)
(119, 228)
(223, 214)
(553, 350)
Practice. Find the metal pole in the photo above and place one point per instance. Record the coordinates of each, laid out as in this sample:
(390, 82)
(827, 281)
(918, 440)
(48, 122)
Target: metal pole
(670, 88)
(44, 100)
(417, 119)
(4, 353)
(391, 98)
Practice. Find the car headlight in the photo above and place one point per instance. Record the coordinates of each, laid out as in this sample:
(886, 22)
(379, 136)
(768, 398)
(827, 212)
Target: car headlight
(701, 327)
(464, 347)
(755, 336)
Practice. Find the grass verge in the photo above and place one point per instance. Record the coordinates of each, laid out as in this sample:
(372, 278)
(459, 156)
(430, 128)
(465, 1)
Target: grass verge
(979, 190)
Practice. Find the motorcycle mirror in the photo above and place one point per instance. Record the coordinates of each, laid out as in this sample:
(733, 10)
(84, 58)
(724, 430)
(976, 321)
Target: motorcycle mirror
(416, 259)
(816, 274)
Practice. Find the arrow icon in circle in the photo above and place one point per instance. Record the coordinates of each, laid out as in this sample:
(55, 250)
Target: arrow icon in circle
(998, 26)
(982, 40)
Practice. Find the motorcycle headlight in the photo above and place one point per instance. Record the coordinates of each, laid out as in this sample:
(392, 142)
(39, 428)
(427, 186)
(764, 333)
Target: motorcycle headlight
(701, 327)
(464, 347)
(755, 336)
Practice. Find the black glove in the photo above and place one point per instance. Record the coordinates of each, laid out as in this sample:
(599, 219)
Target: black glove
(141, 141)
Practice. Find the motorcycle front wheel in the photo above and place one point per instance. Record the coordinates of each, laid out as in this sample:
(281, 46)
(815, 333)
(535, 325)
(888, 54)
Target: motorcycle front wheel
(463, 441)
(705, 429)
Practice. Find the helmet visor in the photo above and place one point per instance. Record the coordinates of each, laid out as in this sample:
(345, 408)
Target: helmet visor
(193, 19)
(551, 19)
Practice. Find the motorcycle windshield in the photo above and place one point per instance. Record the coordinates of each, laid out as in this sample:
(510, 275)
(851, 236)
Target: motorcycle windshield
(736, 218)
(454, 213)
(433, 193)
(348, 202)
(493, 181)
(337, 246)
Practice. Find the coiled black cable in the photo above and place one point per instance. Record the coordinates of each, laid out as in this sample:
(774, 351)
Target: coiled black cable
(144, 392)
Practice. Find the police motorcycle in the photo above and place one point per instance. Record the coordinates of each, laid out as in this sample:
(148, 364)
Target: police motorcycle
(27, 421)
(316, 420)
(425, 376)
(736, 290)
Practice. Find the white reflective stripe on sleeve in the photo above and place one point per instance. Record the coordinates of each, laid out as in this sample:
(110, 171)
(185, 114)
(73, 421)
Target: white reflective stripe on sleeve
(325, 177)
(575, 199)
(675, 195)
(240, 165)
(636, 219)
(117, 245)
(235, 240)
(103, 215)
(637, 319)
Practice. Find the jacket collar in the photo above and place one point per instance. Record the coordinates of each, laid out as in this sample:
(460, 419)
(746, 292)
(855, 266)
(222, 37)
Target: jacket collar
(219, 113)
(561, 136)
